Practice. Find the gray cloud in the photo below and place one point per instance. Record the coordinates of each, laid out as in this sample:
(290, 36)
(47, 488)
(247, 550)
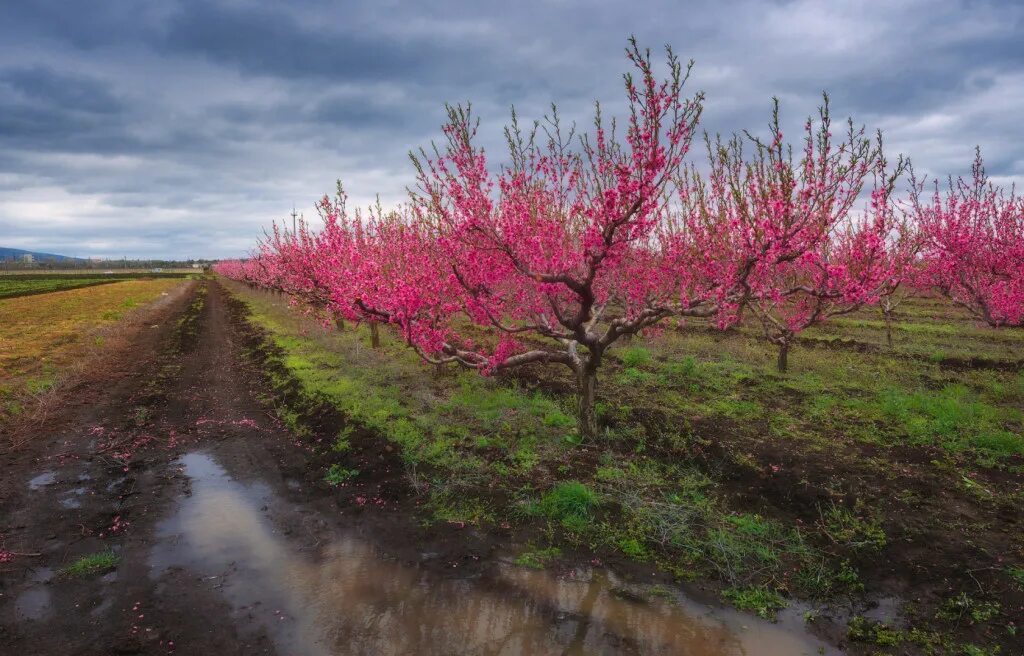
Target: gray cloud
(179, 129)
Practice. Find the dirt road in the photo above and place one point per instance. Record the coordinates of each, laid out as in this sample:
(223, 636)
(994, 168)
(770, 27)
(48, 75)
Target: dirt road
(227, 541)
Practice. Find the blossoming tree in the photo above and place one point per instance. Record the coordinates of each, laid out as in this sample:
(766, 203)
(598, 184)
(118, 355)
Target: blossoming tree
(789, 235)
(555, 252)
(973, 246)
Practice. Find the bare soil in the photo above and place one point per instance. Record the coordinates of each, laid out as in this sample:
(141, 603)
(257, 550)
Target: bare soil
(104, 471)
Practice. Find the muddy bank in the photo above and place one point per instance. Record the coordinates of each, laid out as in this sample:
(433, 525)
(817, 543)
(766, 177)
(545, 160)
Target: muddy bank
(206, 528)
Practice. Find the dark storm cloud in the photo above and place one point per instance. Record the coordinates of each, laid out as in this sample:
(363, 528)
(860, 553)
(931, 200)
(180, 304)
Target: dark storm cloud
(43, 108)
(148, 127)
(267, 40)
(43, 85)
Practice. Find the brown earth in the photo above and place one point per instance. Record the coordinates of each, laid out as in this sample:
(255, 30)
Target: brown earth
(108, 471)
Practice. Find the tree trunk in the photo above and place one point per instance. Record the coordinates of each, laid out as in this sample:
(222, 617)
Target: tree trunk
(783, 355)
(339, 323)
(374, 335)
(588, 396)
(887, 315)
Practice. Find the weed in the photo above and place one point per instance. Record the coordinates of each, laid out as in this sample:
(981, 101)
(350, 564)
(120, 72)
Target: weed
(39, 385)
(633, 376)
(1017, 574)
(557, 419)
(142, 415)
(847, 579)
(635, 356)
(861, 629)
(964, 607)
(998, 443)
(686, 369)
(570, 503)
(954, 417)
(92, 564)
(336, 474)
(847, 529)
(736, 408)
(634, 548)
(341, 443)
(820, 580)
(761, 600)
(449, 506)
(537, 558)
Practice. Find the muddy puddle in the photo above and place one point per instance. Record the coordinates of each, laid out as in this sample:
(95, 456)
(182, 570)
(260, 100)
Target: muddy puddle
(342, 597)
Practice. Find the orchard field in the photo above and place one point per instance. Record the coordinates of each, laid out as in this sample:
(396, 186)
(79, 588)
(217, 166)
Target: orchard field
(616, 392)
(867, 473)
(790, 370)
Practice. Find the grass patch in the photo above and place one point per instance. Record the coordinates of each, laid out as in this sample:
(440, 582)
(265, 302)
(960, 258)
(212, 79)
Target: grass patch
(635, 356)
(964, 608)
(853, 531)
(336, 475)
(571, 504)
(766, 603)
(1016, 574)
(954, 418)
(92, 564)
(537, 558)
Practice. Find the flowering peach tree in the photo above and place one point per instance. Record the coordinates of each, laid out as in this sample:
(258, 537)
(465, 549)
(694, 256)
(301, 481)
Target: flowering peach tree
(973, 246)
(790, 235)
(556, 251)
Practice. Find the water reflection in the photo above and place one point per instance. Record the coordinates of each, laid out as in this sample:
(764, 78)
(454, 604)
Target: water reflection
(42, 480)
(35, 603)
(346, 599)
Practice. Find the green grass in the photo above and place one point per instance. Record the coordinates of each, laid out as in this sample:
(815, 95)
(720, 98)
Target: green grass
(336, 474)
(851, 530)
(635, 356)
(953, 417)
(571, 503)
(965, 608)
(1017, 575)
(92, 564)
(760, 600)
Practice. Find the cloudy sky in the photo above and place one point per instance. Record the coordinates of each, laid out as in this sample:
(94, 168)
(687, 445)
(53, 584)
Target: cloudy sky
(178, 129)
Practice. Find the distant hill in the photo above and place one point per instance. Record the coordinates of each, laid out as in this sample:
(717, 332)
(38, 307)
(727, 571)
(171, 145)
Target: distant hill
(17, 254)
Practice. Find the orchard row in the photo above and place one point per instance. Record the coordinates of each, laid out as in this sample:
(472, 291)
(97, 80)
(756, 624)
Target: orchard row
(578, 240)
